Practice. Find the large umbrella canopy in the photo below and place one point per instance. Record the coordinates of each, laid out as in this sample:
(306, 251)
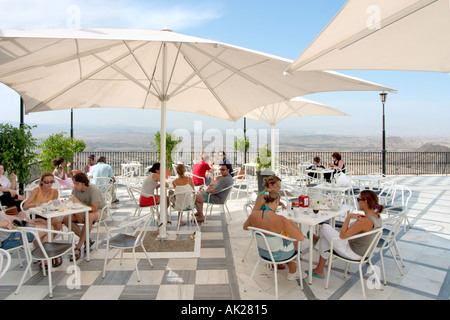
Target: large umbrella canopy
(383, 35)
(91, 68)
(274, 113)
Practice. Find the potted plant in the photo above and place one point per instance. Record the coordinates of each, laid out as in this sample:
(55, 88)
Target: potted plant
(241, 145)
(172, 142)
(17, 151)
(263, 161)
(58, 145)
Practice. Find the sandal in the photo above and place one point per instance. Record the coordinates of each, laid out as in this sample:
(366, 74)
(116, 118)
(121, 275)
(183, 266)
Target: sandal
(56, 262)
(77, 255)
(91, 243)
(40, 265)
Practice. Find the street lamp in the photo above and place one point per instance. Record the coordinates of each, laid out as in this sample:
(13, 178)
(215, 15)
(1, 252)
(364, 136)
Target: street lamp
(383, 100)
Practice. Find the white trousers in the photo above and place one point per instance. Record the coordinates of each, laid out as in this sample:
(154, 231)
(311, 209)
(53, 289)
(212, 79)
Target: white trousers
(341, 246)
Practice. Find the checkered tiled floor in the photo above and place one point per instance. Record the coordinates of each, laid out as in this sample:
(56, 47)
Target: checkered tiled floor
(218, 272)
(211, 274)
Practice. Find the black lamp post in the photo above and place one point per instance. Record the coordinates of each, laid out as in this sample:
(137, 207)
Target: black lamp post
(383, 100)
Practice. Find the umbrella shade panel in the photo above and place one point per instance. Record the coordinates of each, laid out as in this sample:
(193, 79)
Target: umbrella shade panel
(93, 68)
(383, 35)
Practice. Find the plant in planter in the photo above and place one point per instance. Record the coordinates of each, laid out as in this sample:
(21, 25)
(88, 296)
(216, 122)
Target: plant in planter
(172, 142)
(263, 160)
(57, 145)
(17, 150)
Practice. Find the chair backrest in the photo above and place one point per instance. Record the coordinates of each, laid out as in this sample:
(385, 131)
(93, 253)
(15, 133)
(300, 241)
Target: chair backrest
(376, 234)
(5, 262)
(403, 193)
(394, 222)
(260, 236)
(184, 198)
(191, 175)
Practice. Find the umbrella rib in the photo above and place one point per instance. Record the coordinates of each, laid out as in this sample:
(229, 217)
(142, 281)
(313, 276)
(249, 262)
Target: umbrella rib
(213, 92)
(192, 75)
(239, 72)
(49, 64)
(150, 79)
(38, 106)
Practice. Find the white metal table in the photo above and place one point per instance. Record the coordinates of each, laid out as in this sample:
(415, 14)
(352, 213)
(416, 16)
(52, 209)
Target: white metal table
(312, 220)
(64, 211)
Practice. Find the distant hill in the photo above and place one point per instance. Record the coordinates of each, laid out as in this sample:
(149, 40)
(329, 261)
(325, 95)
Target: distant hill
(430, 147)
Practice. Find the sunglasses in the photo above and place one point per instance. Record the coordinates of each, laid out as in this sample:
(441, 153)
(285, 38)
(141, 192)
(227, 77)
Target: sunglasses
(47, 182)
(359, 199)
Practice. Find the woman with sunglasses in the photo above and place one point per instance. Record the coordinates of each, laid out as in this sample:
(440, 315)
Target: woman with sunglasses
(43, 194)
(352, 249)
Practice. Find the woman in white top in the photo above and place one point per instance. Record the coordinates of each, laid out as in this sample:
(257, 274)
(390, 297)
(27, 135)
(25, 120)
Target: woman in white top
(183, 184)
(151, 183)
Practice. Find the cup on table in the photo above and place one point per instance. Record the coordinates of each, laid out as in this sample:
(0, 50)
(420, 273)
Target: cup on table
(296, 212)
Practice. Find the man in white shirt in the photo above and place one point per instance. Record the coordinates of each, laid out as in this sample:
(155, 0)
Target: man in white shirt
(103, 170)
(8, 194)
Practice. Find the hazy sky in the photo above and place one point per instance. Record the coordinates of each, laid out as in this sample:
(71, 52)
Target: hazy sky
(283, 28)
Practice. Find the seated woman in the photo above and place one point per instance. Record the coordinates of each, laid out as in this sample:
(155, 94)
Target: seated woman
(43, 194)
(270, 183)
(150, 185)
(90, 163)
(315, 166)
(266, 218)
(182, 184)
(89, 195)
(338, 165)
(9, 197)
(353, 249)
(60, 172)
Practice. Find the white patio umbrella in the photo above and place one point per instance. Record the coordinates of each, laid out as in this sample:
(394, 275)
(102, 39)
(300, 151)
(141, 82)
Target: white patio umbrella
(383, 35)
(59, 69)
(274, 113)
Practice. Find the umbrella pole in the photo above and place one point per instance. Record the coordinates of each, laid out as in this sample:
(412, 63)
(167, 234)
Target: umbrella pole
(162, 172)
(272, 143)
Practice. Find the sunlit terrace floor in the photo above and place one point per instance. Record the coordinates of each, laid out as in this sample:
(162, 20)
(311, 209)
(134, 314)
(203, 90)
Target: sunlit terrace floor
(216, 271)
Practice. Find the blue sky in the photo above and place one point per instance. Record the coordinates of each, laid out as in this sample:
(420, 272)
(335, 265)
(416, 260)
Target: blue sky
(284, 28)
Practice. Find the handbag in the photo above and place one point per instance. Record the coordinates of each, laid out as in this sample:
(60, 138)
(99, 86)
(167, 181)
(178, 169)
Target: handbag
(11, 210)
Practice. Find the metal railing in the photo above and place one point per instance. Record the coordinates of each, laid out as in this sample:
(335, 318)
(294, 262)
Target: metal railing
(397, 163)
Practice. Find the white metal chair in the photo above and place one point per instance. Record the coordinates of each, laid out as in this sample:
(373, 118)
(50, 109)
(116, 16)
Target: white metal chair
(135, 194)
(388, 241)
(128, 239)
(105, 213)
(199, 186)
(260, 237)
(184, 202)
(210, 205)
(17, 249)
(366, 257)
(399, 203)
(4, 257)
(47, 251)
(106, 187)
(244, 183)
